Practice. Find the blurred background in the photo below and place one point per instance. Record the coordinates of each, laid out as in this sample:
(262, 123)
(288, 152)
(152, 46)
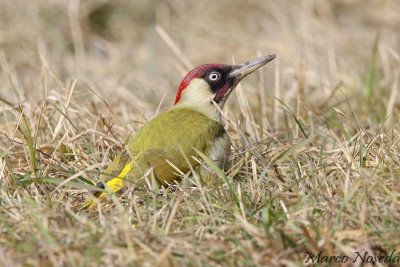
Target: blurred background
(314, 134)
(131, 55)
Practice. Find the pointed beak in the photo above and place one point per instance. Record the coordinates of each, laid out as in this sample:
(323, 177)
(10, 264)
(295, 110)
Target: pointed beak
(242, 70)
(237, 73)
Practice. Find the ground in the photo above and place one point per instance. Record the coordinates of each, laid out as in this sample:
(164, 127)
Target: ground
(315, 172)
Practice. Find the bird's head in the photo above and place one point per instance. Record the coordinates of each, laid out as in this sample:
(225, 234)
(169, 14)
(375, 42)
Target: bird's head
(215, 82)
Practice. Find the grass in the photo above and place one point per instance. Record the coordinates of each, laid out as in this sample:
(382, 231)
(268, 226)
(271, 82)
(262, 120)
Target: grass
(315, 135)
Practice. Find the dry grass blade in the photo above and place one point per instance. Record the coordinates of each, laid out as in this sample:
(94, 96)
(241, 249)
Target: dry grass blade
(171, 44)
(315, 135)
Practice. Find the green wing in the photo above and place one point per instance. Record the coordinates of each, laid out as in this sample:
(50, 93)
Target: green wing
(164, 145)
(174, 137)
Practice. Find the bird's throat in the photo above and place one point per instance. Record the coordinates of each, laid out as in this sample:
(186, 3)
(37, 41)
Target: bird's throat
(197, 96)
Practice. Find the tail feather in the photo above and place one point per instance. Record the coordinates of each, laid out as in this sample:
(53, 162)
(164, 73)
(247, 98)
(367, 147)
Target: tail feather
(111, 186)
(124, 168)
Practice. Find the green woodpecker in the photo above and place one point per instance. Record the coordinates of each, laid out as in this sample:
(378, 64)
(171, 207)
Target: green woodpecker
(167, 145)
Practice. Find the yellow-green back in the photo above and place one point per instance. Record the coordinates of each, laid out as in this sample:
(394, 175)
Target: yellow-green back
(173, 136)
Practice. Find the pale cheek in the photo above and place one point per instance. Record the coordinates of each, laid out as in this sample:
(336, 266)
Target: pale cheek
(198, 96)
(198, 90)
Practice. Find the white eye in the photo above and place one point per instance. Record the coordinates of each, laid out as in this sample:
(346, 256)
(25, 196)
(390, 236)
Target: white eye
(214, 76)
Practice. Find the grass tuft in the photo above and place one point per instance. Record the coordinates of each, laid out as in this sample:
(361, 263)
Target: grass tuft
(315, 161)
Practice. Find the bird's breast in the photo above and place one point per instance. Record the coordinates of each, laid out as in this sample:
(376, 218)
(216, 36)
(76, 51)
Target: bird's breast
(220, 149)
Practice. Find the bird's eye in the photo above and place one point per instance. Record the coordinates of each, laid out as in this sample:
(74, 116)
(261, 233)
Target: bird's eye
(214, 76)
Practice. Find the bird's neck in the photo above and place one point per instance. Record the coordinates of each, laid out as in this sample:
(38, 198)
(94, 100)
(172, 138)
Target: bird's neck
(197, 96)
